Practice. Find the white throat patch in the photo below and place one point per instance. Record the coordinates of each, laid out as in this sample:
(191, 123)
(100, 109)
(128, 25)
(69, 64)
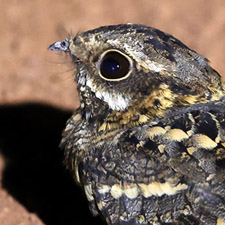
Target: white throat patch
(115, 102)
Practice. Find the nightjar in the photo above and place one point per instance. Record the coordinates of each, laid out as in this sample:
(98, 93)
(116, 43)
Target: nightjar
(147, 143)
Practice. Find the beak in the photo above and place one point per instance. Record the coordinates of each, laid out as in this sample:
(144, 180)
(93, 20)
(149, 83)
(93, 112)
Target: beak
(60, 46)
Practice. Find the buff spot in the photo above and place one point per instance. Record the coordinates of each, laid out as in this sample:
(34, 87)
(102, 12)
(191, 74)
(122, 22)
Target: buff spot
(116, 191)
(107, 220)
(191, 150)
(77, 176)
(104, 189)
(190, 132)
(155, 131)
(145, 190)
(159, 189)
(131, 190)
(210, 177)
(161, 148)
(143, 118)
(217, 139)
(176, 135)
(190, 99)
(88, 192)
(220, 222)
(100, 205)
(141, 219)
(203, 141)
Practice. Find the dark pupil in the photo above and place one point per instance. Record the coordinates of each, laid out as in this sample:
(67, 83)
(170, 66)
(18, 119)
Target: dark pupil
(114, 66)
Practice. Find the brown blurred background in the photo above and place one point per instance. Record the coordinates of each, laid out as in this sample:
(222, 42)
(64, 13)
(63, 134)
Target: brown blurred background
(37, 92)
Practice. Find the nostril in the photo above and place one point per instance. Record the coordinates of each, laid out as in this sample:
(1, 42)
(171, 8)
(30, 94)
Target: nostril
(64, 44)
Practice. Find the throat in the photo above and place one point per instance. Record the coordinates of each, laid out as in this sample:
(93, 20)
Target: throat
(93, 109)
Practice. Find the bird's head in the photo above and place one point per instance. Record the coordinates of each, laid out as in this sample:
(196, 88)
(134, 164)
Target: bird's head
(137, 72)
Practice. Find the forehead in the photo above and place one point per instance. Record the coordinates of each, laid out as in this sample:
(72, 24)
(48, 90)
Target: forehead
(121, 29)
(135, 31)
(139, 37)
(125, 30)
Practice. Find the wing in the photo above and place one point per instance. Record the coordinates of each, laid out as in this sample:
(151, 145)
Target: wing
(171, 172)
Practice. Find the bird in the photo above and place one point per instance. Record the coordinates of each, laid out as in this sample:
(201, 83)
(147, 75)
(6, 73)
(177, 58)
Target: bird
(147, 144)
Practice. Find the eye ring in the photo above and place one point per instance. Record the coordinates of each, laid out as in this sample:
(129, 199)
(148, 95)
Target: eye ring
(113, 65)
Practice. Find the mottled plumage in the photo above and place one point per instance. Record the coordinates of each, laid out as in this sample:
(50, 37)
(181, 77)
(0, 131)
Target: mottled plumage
(147, 143)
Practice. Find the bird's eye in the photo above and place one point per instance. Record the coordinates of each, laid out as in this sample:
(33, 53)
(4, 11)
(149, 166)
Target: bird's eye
(114, 66)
